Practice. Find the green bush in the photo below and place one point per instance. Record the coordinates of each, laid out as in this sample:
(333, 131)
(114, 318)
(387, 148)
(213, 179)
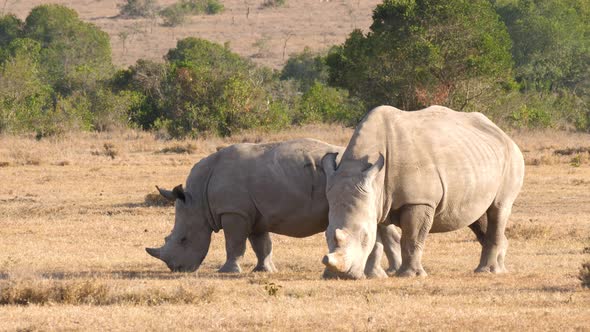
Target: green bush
(306, 68)
(531, 117)
(273, 3)
(145, 80)
(10, 28)
(139, 8)
(175, 14)
(23, 95)
(326, 104)
(203, 88)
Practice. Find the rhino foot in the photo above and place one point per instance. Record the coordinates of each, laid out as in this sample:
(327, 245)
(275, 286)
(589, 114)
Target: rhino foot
(391, 271)
(496, 269)
(376, 273)
(409, 272)
(265, 268)
(230, 268)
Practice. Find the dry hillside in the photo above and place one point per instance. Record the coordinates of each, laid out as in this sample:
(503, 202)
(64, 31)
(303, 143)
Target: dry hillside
(265, 35)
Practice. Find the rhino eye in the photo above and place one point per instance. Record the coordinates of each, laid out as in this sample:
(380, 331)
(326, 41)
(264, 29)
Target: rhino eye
(183, 240)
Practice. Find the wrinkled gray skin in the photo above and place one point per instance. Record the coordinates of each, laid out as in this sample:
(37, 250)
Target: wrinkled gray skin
(249, 191)
(434, 170)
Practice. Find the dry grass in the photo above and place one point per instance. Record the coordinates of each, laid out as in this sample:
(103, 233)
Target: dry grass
(281, 31)
(528, 230)
(155, 199)
(73, 258)
(187, 148)
(97, 292)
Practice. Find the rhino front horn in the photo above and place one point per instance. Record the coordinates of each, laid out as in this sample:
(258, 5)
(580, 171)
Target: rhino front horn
(155, 252)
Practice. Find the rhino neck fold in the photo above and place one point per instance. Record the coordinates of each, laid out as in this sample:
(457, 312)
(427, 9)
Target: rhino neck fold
(211, 220)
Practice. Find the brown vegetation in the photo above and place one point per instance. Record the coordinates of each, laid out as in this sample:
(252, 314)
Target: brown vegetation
(73, 256)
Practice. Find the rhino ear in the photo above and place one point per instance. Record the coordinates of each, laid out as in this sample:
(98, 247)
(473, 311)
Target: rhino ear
(167, 194)
(179, 193)
(329, 163)
(371, 172)
(176, 193)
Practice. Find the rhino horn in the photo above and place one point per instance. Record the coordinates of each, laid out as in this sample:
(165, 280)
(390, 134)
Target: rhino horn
(340, 236)
(329, 163)
(155, 252)
(331, 262)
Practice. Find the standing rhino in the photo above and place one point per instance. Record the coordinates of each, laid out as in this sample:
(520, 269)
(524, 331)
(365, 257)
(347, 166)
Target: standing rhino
(249, 190)
(436, 170)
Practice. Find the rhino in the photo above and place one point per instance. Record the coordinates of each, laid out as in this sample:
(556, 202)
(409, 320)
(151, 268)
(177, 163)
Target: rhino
(249, 191)
(428, 171)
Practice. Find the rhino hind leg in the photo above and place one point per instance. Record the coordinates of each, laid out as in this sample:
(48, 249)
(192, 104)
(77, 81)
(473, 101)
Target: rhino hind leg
(496, 243)
(479, 229)
(390, 238)
(416, 222)
(236, 231)
(262, 246)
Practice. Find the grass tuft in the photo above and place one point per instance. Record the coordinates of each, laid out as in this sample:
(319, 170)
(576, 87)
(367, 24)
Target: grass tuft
(155, 199)
(528, 231)
(571, 151)
(585, 275)
(179, 149)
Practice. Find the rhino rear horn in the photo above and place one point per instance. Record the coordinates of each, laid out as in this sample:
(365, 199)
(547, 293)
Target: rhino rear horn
(155, 252)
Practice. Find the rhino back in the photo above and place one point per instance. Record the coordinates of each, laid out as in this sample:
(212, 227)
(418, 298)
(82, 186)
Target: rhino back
(456, 162)
(278, 186)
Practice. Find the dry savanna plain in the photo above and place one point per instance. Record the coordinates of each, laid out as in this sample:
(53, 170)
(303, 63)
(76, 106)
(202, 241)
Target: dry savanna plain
(76, 213)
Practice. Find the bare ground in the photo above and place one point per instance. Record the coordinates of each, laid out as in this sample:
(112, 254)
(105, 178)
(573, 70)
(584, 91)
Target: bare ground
(75, 223)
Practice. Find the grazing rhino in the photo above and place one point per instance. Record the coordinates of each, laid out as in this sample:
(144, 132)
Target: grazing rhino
(436, 170)
(249, 190)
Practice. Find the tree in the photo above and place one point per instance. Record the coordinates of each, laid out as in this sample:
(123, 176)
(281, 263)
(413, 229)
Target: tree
(10, 29)
(551, 52)
(75, 55)
(422, 52)
(23, 96)
(551, 42)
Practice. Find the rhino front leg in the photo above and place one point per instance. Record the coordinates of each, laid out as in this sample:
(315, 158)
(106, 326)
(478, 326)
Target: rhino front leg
(236, 230)
(373, 267)
(262, 246)
(390, 238)
(415, 221)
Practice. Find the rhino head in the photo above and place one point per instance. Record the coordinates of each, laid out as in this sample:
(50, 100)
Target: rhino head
(187, 245)
(351, 233)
